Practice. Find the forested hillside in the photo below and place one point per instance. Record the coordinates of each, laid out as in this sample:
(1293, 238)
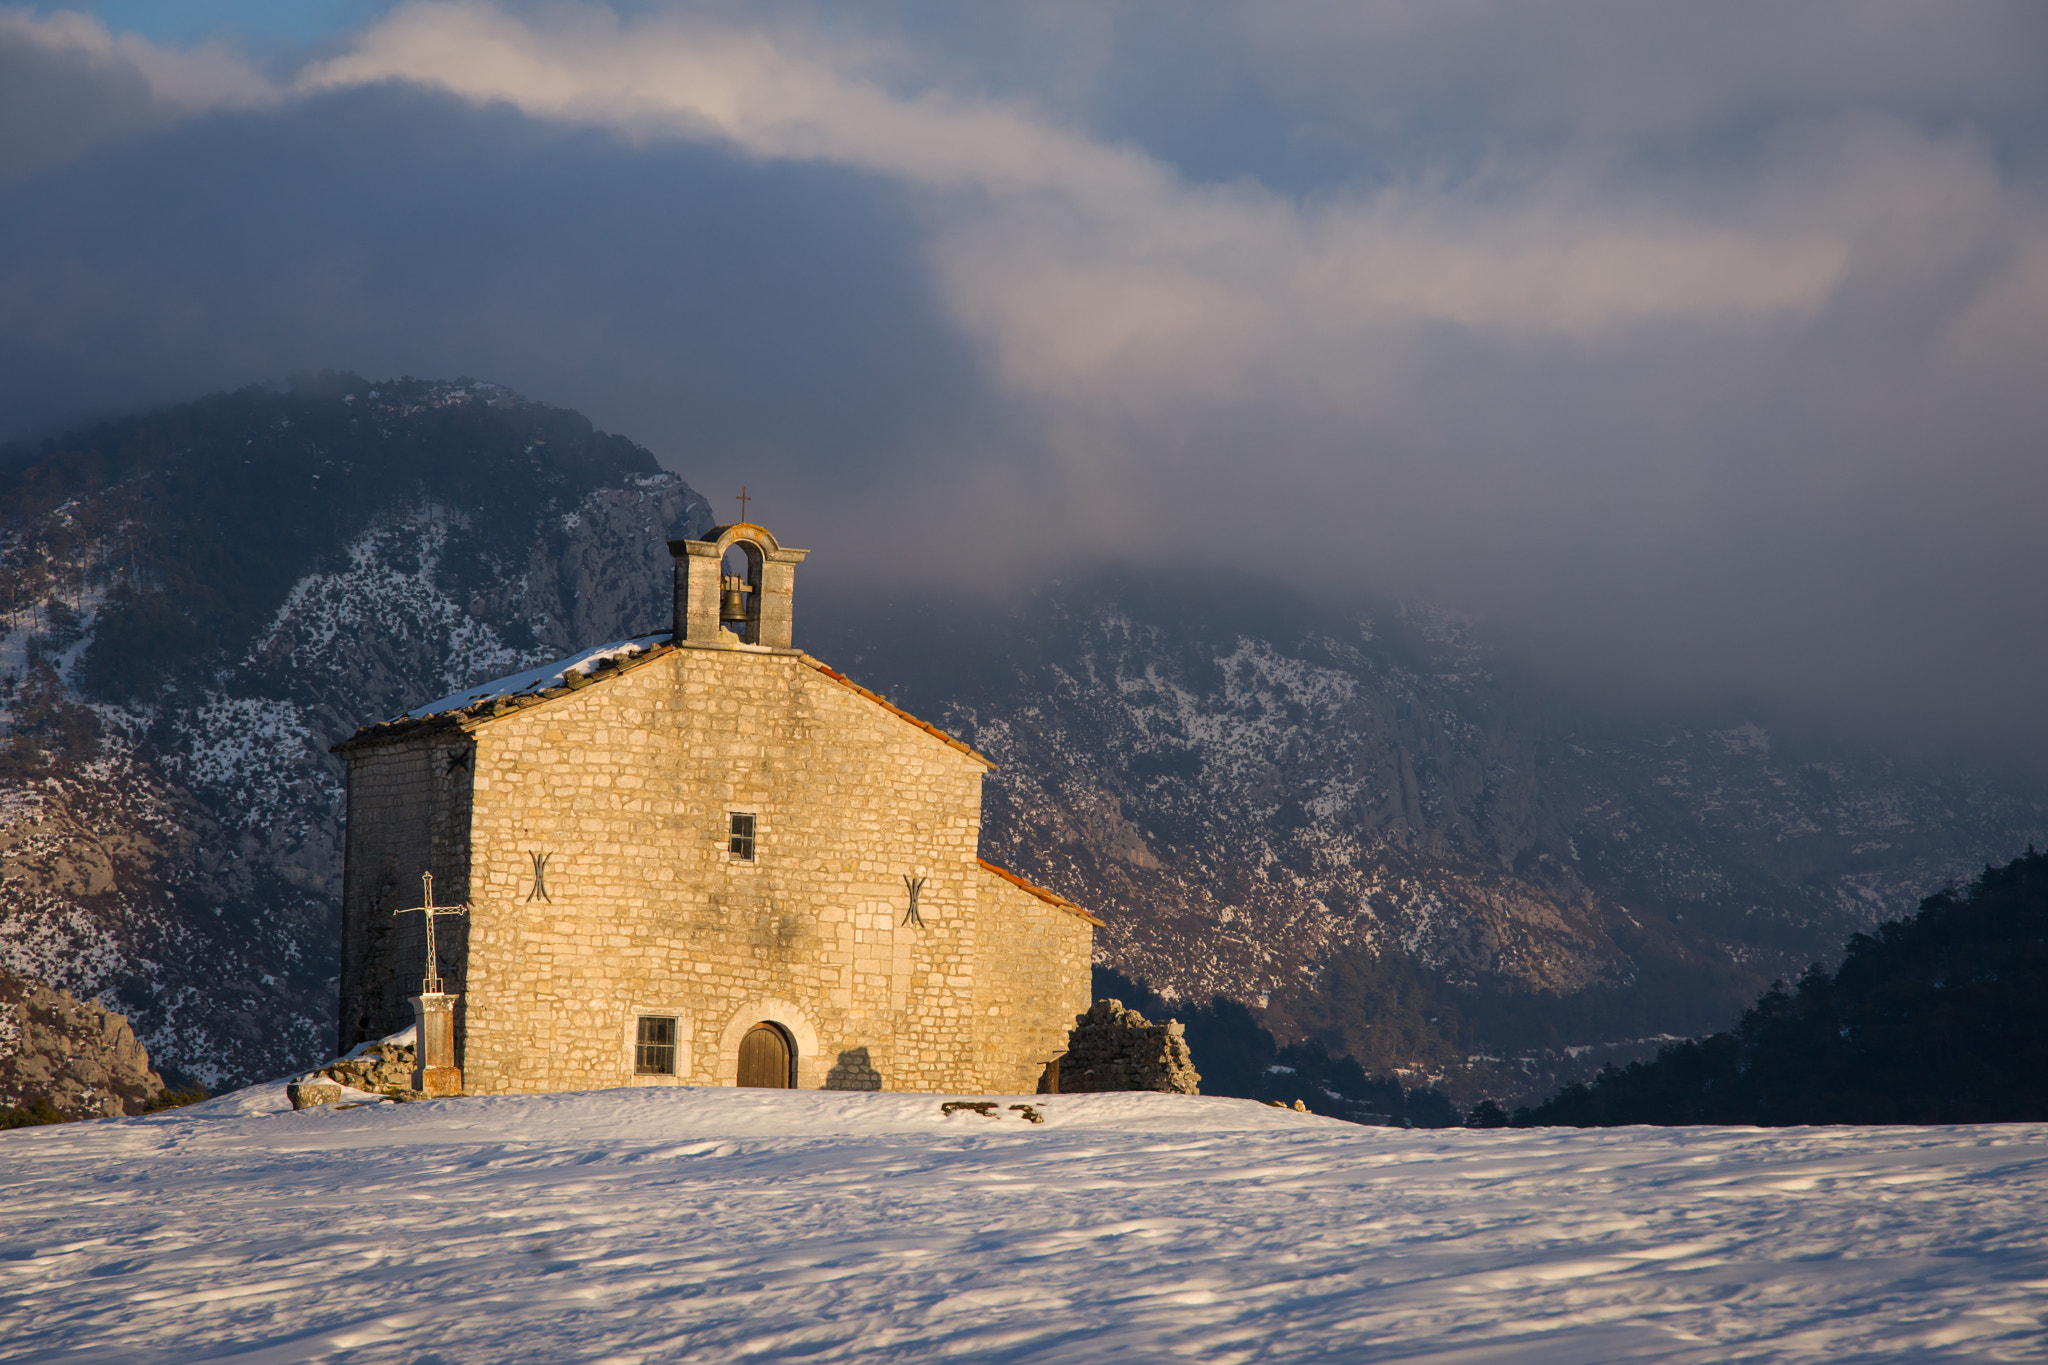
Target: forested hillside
(1938, 1018)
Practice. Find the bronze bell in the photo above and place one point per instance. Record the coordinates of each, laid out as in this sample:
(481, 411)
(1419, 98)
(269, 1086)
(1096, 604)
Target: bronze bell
(733, 601)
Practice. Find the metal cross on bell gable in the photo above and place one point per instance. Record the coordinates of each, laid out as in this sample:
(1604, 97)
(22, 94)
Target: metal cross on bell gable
(431, 983)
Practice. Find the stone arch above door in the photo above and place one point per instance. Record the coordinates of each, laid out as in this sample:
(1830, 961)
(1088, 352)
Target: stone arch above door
(810, 1065)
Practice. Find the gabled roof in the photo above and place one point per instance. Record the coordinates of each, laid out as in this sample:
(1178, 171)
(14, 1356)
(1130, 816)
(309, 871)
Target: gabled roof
(484, 700)
(1052, 898)
(479, 703)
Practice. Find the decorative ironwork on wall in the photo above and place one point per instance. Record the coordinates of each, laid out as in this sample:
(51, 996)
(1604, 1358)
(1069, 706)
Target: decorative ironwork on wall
(913, 885)
(540, 878)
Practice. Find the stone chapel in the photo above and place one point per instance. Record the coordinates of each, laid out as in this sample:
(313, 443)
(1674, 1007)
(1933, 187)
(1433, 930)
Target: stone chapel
(697, 858)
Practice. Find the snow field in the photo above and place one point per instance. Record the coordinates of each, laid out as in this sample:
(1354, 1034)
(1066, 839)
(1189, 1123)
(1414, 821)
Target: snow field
(719, 1225)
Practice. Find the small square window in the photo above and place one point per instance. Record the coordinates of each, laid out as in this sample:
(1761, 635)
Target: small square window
(741, 844)
(654, 1050)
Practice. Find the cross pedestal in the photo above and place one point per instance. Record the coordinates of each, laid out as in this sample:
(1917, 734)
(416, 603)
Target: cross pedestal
(434, 1070)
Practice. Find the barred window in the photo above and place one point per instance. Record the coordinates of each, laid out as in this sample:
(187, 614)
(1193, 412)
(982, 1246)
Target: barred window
(654, 1051)
(741, 844)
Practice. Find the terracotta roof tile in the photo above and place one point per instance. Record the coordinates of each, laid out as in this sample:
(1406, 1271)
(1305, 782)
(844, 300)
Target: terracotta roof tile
(1049, 897)
(836, 676)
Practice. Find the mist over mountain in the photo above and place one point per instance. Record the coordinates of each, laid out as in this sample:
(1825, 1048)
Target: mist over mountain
(1696, 350)
(1361, 822)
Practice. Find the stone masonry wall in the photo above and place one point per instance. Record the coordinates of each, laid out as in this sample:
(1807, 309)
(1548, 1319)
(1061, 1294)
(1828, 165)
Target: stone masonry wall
(408, 813)
(626, 788)
(1035, 974)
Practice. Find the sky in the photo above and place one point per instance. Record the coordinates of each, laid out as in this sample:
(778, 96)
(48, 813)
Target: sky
(1695, 349)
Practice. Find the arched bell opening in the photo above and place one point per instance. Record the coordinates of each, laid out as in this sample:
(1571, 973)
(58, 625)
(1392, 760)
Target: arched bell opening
(739, 596)
(734, 586)
(768, 1057)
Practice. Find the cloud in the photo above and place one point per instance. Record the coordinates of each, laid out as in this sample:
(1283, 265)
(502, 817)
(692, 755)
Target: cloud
(68, 85)
(1068, 237)
(1698, 347)
(210, 76)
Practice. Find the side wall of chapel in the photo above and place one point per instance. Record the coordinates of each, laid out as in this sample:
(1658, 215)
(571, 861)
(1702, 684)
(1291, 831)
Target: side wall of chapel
(408, 813)
(1035, 975)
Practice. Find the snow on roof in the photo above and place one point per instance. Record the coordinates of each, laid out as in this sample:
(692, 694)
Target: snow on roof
(537, 680)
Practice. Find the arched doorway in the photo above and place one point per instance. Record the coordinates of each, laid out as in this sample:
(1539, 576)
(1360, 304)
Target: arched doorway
(767, 1058)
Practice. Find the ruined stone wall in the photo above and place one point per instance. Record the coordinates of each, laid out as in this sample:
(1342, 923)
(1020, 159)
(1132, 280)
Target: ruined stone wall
(408, 813)
(626, 787)
(1113, 1048)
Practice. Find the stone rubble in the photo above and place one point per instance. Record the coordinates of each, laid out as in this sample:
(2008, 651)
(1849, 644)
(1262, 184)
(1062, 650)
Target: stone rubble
(1113, 1048)
(383, 1069)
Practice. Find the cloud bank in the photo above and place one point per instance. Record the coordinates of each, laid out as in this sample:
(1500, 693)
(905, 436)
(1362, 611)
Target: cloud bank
(1697, 349)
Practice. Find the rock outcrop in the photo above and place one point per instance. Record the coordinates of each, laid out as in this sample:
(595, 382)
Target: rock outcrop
(76, 1054)
(1113, 1048)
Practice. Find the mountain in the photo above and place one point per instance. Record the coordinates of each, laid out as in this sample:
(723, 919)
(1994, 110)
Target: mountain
(1357, 822)
(1936, 1018)
(1369, 826)
(202, 600)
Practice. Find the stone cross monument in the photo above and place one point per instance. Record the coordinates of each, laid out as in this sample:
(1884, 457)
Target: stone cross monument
(433, 1010)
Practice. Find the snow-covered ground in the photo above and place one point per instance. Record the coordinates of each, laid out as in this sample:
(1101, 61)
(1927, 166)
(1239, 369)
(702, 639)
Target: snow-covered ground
(718, 1225)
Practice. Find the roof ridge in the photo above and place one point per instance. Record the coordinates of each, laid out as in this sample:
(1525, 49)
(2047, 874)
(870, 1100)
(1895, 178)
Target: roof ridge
(487, 709)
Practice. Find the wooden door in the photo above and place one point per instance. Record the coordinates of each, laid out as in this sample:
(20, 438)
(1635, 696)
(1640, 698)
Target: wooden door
(765, 1058)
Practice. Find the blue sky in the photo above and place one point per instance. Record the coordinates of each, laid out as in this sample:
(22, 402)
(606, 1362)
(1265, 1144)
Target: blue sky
(259, 25)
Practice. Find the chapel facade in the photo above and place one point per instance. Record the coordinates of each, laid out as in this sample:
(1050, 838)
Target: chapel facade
(700, 857)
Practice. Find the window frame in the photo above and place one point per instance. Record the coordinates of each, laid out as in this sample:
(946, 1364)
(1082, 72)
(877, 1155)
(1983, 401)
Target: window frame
(735, 838)
(642, 1046)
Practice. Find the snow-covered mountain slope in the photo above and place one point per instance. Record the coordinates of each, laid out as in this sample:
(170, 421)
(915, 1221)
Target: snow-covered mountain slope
(179, 855)
(715, 1225)
(1272, 800)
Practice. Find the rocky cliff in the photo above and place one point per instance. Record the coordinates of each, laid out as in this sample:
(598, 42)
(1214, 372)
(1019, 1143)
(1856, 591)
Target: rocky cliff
(74, 1054)
(1366, 824)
